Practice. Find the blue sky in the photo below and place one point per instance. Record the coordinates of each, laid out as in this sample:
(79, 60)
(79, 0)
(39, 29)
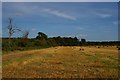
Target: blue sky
(60, 0)
(93, 21)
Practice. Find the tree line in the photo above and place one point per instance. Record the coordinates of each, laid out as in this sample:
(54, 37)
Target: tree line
(43, 41)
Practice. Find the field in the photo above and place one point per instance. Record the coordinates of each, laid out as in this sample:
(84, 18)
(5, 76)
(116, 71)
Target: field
(62, 62)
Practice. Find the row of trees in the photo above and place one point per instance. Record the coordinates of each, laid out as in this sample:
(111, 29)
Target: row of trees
(42, 40)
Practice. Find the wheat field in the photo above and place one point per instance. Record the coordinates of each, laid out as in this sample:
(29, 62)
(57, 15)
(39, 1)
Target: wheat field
(62, 62)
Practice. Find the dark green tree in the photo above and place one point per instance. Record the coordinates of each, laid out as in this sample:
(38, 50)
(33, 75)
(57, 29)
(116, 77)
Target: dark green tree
(41, 35)
(83, 40)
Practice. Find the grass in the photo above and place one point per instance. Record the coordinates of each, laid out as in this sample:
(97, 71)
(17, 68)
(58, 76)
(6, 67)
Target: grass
(62, 62)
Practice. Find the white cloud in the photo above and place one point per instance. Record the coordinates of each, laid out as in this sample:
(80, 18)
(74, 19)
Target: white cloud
(24, 9)
(107, 31)
(81, 36)
(33, 29)
(15, 14)
(80, 28)
(102, 15)
(115, 22)
(59, 14)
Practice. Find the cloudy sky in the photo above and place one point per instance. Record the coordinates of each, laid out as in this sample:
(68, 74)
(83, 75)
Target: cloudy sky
(93, 21)
(60, 0)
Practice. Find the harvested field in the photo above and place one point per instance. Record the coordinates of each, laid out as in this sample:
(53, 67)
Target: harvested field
(62, 62)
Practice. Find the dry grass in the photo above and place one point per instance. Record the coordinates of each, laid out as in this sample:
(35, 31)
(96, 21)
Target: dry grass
(62, 62)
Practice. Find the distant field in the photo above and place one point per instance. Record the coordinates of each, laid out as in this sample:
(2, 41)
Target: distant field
(62, 62)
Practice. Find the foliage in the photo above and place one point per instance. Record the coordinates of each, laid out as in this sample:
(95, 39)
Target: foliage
(41, 35)
(42, 41)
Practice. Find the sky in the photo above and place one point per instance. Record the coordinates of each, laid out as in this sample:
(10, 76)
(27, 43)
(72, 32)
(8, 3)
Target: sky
(60, 0)
(94, 21)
